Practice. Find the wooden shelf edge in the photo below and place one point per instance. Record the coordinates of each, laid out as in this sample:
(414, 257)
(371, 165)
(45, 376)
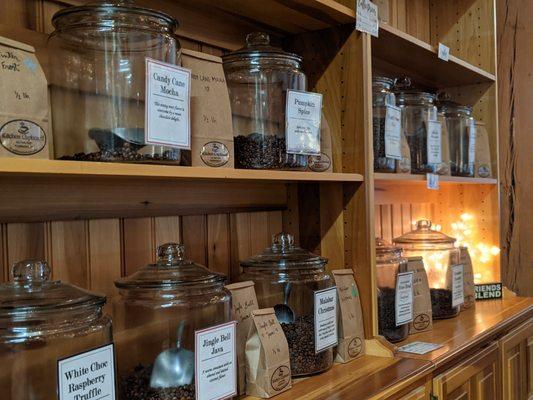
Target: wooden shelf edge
(59, 168)
(409, 178)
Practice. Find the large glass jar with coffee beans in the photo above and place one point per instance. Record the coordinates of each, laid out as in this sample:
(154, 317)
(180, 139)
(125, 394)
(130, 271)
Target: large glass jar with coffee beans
(97, 79)
(440, 257)
(258, 77)
(159, 309)
(286, 277)
(389, 263)
(49, 330)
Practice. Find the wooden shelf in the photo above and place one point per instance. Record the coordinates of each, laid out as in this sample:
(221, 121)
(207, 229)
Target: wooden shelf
(408, 178)
(395, 49)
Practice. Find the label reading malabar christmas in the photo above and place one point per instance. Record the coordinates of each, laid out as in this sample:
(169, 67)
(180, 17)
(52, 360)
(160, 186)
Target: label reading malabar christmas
(404, 298)
(216, 362)
(434, 142)
(89, 375)
(458, 296)
(393, 133)
(303, 118)
(325, 319)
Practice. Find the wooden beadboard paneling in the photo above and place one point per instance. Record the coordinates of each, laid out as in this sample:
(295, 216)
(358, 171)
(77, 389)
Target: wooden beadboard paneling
(218, 243)
(194, 231)
(25, 241)
(138, 243)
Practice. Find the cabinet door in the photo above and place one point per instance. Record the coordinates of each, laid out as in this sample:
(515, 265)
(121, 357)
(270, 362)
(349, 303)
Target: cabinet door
(517, 364)
(476, 378)
(418, 394)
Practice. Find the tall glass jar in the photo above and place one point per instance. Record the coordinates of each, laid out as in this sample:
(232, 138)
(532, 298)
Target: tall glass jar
(382, 100)
(389, 263)
(460, 124)
(159, 309)
(439, 255)
(97, 80)
(41, 322)
(285, 274)
(258, 77)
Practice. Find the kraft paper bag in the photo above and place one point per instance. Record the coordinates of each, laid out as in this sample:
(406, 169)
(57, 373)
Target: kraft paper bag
(268, 367)
(350, 317)
(244, 301)
(422, 313)
(483, 162)
(468, 279)
(24, 105)
(211, 125)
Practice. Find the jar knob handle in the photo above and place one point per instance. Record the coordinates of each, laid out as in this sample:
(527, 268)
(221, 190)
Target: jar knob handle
(31, 271)
(257, 39)
(423, 224)
(169, 252)
(283, 240)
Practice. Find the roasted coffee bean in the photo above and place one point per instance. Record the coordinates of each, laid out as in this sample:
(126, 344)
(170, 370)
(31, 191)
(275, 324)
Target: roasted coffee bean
(136, 386)
(387, 316)
(441, 304)
(301, 340)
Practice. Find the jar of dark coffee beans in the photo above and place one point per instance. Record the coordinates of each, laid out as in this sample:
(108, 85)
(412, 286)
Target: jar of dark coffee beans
(389, 263)
(258, 77)
(159, 309)
(440, 256)
(286, 277)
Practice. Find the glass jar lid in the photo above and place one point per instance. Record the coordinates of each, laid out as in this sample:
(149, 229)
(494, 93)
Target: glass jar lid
(171, 271)
(258, 50)
(450, 107)
(383, 82)
(385, 249)
(425, 237)
(32, 294)
(414, 97)
(284, 254)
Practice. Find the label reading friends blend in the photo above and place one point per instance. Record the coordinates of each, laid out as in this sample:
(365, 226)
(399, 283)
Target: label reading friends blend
(325, 319)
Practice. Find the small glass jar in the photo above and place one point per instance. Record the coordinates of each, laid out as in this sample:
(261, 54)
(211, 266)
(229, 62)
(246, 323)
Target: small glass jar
(389, 263)
(289, 275)
(258, 78)
(156, 315)
(41, 322)
(382, 98)
(439, 255)
(98, 54)
(459, 122)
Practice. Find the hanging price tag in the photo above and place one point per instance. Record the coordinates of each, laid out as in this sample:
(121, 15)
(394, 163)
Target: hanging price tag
(404, 298)
(367, 17)
(472, 142)
(393, 133)
(432, 181)
(444, 52)
(434, 142)
(458, 297)
(325, 319)
(303, 117)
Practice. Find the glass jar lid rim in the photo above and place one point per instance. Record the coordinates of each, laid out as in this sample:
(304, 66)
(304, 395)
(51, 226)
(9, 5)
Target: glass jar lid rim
(383, 79)
(423, 234)
(448, 105)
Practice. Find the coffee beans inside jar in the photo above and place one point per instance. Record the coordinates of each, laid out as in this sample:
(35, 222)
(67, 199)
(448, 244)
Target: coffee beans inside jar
(441, 304)
(387, 316)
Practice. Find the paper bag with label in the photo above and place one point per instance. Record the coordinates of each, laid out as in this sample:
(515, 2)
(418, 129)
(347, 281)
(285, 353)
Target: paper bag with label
(24, 115)
(268, 368)
(422, 314)
(468, 279)
(244, 301)
(211, 126)
(324, 161)
(483, 160)
(351, 329)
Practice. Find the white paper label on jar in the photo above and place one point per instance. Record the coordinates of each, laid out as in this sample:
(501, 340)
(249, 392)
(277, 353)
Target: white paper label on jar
(302, 123)
(434, 142)
(472, 142)
(458, 296)
(393, 132)
(367, 17)
(444, 52)
(404, 298)
(325, 319)
(167, 106)
(89, 375)
(215, 362)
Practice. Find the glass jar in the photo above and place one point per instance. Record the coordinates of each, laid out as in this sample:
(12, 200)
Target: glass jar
(389, 263)
(258, 77)
(418, 109)
(285, 274)
(459, 122)
(439, 255)
(41, 322)
(382, 99)
(97, 80)
(156, 315)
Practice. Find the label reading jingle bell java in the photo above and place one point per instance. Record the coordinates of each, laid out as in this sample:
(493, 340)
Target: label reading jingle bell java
(22, 137)
(325, 319)
(214, 154)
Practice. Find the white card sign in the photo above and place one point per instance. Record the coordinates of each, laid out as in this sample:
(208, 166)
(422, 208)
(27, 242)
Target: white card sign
(458, 296)
(432, 181)
(302, 125)
(89, 375)
(215, 362)
(167, 106)
(393, 132)
(419, 347)
(434, 142)
(367, 17)
(325, 319)
(472, 142)
(444, 52)
(404, 298)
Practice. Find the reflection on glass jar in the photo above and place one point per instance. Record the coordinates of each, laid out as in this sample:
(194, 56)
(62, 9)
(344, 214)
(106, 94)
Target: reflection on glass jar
(97, 80)
(286, 278)
(43, 321)
(159, 309)
(258, 77)
(439, 255)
